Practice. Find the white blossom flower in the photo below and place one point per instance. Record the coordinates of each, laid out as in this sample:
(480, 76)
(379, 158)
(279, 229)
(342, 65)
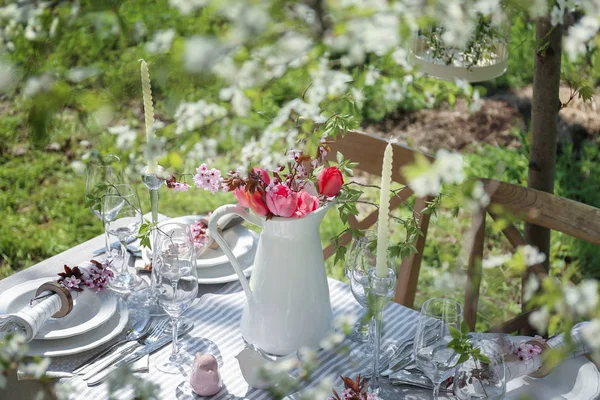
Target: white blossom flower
(400, 57)
(37, 84)
(392, 91)
(78, 167)
(449, 166)
(539, 319)
(191, 116)
(202, 53)
(496, 261)
(579, 34)
(161, 42)
(371, 76)
(532, 256)
(358, 96)
(188, 6)
(79, 74)
(532, 286)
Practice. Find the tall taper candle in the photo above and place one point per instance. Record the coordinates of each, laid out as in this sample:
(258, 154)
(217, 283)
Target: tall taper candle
(148, 110)
(384, 210)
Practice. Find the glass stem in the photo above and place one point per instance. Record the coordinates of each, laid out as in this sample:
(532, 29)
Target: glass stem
(124, 255)
(175, 329)
(376, 330)
(107, 249)
(153, 275)
(436, 390)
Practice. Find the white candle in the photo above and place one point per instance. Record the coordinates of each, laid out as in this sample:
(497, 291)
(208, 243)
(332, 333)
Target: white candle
(384, 210)
(148, 110)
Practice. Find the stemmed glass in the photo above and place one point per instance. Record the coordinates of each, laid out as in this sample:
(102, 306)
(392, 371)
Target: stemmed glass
(357, 271)
(177, 283)
(101, 172)
(123, 218)
(431, 351)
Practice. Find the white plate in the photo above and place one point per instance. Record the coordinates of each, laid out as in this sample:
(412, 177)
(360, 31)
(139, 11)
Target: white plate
(81, 343)
(225, 273)
(239, 239)
(90, 310)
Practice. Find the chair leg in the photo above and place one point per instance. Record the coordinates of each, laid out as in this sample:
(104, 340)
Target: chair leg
(474, 269)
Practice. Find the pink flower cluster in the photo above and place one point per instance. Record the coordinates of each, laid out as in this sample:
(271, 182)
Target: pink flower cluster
(526, 351)
(97, 276)
(208, 179)
(200, 233)
(180, 187)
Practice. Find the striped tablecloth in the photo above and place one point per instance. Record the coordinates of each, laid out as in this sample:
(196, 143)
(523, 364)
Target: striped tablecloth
(216, 331)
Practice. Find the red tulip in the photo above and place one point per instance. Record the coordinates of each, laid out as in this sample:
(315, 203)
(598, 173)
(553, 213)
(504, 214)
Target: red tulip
(282, 201)
(330, 181)
(263, 174)
(306, 204)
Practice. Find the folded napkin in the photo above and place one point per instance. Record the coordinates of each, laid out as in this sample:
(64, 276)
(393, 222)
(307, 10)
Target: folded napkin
(29, 319)
(516, 368)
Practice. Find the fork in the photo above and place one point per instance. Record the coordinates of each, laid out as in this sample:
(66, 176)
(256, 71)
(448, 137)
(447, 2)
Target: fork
(155, 334)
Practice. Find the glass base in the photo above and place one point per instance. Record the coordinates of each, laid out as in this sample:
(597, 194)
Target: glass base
(360, 334)
(141, 300)
(361, 357)
(174, 363)
(386, 391)
(126, 283)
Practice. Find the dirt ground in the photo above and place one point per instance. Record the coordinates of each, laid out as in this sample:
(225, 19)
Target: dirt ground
(497, 122)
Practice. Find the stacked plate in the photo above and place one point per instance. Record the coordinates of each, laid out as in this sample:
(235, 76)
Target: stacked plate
(212, 265)
(96, 318)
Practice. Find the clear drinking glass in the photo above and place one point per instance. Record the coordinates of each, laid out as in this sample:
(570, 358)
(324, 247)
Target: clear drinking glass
(431, 352)
(357, 272)
(101, 172)
(177, 285)
(475, 379)
(123, 218)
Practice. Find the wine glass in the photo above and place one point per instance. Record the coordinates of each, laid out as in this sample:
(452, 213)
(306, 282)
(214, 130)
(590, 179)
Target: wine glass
(357, 273)
(123, 218)
(177, 283)
(431, 351)
(101, 172)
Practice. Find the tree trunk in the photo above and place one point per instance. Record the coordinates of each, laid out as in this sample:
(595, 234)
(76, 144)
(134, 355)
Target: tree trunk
(544, 122)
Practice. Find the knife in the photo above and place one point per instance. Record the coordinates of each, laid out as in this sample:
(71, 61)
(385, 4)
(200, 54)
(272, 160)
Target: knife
(136, 355)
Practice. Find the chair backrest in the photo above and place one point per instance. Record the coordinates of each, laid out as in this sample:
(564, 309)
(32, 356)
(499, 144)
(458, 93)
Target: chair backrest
(367, 150)
(533, 207)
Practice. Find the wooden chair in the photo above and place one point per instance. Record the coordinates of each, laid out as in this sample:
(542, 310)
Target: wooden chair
(533, 207)
(368, 151)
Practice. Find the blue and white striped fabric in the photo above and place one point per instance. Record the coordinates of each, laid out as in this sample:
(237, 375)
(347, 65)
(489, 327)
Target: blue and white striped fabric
(216, 331)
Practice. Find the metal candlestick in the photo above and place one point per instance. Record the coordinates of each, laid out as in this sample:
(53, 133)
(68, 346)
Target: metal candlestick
(380, 291)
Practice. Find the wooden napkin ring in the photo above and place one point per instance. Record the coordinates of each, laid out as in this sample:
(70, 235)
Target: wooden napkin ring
(546, 368)
(66, 300)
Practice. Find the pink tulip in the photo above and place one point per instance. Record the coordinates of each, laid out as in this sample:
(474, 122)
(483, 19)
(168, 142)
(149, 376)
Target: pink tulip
(263, 174)
(306, 204)
(282, 201)
(330, 181)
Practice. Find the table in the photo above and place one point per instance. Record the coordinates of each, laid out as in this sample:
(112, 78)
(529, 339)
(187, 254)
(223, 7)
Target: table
(217, 328)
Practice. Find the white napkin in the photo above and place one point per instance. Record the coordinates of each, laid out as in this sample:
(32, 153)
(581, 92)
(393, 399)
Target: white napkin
(29, 320)
(518, 368)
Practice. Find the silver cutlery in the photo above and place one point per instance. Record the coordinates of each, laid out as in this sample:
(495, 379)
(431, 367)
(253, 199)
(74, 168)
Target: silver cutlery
(138, 331)
(405, 358)
(156, 334)
(150, 347)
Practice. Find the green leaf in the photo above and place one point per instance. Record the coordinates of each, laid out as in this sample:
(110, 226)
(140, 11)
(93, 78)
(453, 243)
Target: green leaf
(463, 358)
(454, 332)
(339, 157)
(586, 93)
(483, 358)
(464, 328)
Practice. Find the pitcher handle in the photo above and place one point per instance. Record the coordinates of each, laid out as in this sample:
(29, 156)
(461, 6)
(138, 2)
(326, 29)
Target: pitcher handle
(214, 232)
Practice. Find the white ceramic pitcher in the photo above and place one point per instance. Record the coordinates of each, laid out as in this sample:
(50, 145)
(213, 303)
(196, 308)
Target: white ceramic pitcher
(288, 297)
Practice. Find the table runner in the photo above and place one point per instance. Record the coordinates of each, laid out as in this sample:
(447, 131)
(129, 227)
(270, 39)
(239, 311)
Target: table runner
(217, 331)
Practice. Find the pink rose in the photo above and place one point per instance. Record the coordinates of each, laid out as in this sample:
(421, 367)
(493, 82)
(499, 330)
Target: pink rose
(330, 181)
(252, 201)
(282, 201)
(306, 204)
(263, 174)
